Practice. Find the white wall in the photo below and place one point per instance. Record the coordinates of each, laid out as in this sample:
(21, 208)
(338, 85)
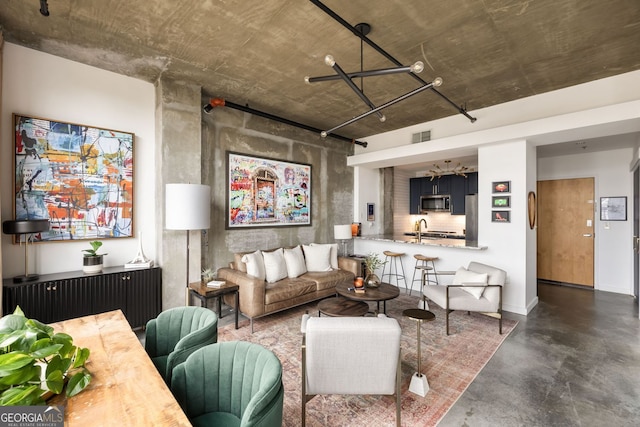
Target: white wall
(592, 95)
(507, 242)
(613, 246)
(367, 181)
(42, 85)
(596, 109)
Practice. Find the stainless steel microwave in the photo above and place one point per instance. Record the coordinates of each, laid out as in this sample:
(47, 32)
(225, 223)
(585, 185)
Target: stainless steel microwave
(435, 203)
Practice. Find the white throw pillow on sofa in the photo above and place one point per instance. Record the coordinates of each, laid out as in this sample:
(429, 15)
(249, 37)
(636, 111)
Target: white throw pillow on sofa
(333, 255)
(275, 266)
(464, 276)
(317, 257)
(294, 259)
(255, 264)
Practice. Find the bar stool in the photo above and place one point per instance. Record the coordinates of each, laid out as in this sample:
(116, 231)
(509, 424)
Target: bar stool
(427, 268)
(392, 258)
(422, 267)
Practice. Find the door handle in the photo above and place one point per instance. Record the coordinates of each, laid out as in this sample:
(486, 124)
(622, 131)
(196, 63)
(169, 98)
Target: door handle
(587, 235)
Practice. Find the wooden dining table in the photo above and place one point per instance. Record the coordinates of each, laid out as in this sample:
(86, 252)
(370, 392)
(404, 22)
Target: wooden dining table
(125, 388)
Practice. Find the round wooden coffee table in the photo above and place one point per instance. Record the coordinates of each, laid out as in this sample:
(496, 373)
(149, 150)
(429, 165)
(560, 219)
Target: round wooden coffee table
(340, 307)
(382, 293)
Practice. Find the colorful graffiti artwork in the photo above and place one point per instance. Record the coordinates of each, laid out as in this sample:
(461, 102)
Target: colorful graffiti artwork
(267, 192)
(78, 177)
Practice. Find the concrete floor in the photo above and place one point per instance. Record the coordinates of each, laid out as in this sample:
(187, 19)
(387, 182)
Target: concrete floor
(573, 361)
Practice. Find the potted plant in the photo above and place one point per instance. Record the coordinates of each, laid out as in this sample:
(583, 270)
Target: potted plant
(92, 261)
(36, 363)
(208, 275)
(372, 262)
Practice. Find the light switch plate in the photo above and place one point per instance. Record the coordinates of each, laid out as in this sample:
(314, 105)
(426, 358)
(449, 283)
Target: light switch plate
(589, 223)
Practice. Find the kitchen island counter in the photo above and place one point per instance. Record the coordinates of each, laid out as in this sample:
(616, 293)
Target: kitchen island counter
(426, 241)
(451, 254)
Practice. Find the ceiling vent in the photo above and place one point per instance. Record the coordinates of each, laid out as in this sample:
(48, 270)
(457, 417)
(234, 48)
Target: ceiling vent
(421, 137)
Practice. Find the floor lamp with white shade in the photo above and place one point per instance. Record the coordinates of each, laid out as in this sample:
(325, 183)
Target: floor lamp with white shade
(187, 207)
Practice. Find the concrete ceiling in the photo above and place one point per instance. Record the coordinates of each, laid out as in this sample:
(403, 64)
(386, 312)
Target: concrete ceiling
(258, 52)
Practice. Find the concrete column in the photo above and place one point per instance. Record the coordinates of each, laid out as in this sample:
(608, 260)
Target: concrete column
(178, 160)
(386, 210)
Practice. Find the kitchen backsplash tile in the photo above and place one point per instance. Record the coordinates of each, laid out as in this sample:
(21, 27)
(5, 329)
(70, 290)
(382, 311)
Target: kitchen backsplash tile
(439, 221)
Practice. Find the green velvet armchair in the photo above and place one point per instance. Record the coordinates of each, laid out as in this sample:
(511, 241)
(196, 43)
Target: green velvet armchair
(231, 384)
(176, 333)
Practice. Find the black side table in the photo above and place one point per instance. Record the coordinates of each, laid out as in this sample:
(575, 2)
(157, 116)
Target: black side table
(204, 293)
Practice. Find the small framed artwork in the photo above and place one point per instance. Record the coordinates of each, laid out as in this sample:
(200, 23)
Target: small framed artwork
(501, 187)
(613, 208)
(501, 201)
(371, 212)
(500, 216)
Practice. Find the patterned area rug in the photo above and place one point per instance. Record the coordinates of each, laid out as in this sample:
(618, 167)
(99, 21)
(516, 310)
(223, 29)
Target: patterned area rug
(450, 363)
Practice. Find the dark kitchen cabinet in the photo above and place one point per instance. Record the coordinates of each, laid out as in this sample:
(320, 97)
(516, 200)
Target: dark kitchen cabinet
(62, 296)
(415, 191)
(458, 191)
(454, 185)
(460, 186)
(425, 186)
(437, 186)
(472, 183)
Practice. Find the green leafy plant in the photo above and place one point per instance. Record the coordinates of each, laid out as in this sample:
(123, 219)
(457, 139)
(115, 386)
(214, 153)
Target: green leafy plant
(36, 362)
(208, 274)
(95, 245)
(373, 262)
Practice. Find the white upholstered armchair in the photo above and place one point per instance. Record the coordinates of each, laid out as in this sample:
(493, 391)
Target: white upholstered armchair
(477, 288)
(331, 347)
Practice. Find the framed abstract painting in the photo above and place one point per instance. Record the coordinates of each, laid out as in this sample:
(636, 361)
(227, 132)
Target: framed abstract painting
(613, 208)
(264, 192)
(78, 177)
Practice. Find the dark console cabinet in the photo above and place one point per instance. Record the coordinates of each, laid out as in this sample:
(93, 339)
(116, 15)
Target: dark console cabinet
(62, 296)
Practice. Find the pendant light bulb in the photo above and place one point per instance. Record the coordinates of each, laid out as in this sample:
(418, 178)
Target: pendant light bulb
(329, 60)
(417, 68)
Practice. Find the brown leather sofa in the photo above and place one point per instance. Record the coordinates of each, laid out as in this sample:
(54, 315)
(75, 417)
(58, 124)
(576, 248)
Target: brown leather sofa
(259, 298)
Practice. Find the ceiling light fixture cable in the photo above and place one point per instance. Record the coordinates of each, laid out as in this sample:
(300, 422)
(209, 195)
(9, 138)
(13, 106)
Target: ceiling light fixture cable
(364, 38)
(221, 102)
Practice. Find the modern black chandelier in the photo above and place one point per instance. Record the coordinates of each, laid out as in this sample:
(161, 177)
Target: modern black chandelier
(361, 30)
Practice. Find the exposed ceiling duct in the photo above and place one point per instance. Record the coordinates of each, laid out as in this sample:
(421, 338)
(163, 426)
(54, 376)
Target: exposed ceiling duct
(220, 102)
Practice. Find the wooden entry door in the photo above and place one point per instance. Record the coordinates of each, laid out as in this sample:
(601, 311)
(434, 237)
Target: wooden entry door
(566, 230)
